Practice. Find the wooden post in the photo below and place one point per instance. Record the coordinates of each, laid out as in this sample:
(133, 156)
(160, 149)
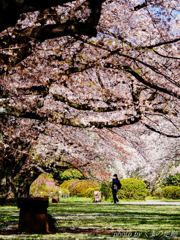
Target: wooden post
(33, 214)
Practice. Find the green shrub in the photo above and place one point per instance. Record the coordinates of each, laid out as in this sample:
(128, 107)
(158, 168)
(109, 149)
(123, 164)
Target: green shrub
(66, 184)
(133, 189)
(121, 194)
(45, 185)
(106, 190)
(71, 173)
(171, 192)
(89, 193)
(72, 186)
(80, 188)
(172, 180)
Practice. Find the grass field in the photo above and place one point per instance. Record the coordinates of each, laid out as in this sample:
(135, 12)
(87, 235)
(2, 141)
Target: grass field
(114, 221)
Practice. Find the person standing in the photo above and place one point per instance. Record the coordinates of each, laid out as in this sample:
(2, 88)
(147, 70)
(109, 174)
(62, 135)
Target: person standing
(116, 185)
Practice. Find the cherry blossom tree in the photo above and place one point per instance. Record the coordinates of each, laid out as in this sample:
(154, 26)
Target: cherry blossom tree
(83, 83)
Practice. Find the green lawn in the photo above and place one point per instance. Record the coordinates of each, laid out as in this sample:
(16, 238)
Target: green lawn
(124, 221)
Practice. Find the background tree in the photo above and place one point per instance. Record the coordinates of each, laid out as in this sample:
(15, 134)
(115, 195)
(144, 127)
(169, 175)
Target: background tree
(92, 84)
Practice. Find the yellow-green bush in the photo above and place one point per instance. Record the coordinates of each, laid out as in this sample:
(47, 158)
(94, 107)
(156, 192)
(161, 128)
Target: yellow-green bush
(80, 188)
(89, 193)
(66, 184)
(71, 173)
(133, 189)
(72, 185)
(39, 190)
(171, 192)
(45, 185)
(106, 190)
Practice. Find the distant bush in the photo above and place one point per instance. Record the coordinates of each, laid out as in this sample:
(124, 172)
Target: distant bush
(45, 185)
(80, 188)
(172, 180)
(74, 183)
(171, 192)
(67, 184)
(133, 189)
(158, 193)
(89, 193)
(71, 173)
(106, 190)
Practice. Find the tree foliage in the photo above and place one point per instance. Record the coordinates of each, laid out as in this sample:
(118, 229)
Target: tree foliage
(89, 193)
(45, 185)
(171, 192)
(73, 73)
(172, 180)
(133, 189)
(79, 189)
(106, 190)
(71, 173)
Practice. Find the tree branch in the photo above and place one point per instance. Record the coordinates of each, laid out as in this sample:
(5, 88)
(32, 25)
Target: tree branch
(140, 6)
(165, 56)
(157, 131)
(159, 44)
(57, 30)
(10, 10)
(139, 78)
(152, 68)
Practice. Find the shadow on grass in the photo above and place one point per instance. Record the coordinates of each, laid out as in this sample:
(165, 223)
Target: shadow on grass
(116, 221)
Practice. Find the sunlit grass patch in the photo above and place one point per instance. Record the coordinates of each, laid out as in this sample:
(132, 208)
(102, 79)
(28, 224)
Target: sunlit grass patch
(76, 199)
(9, 217)
(124, 221)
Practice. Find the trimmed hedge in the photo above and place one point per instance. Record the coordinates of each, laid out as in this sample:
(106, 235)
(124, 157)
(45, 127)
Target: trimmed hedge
(71, 173)
(133, 189)
(106, 190)
(80, 188)
(172, 180)
(66, 184)
(89, 193)
(171, 192)
(72, 186)
(45, 185)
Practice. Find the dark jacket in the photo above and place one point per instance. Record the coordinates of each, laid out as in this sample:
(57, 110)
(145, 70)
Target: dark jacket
(115, 182)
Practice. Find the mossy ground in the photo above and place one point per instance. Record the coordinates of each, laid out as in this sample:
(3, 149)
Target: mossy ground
(124, 221)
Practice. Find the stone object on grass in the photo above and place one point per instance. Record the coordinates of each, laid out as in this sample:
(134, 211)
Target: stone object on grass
(33, 215)
(97, 196)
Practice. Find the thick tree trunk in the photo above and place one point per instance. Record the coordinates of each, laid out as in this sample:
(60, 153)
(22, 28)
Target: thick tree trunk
(7, 187)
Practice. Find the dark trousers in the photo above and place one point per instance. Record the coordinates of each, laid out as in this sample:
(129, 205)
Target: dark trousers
(115, 196)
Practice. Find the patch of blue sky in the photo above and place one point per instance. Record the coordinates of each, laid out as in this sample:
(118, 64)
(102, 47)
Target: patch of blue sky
(170, 18)
(176, 14)
(159, 16)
